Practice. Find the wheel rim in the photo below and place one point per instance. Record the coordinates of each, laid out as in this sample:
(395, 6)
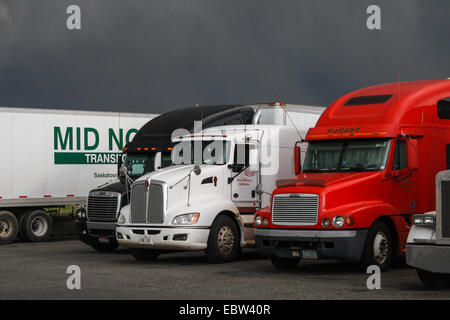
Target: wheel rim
(225, 240)
(381, 247)
(39, 226)
(5, 228)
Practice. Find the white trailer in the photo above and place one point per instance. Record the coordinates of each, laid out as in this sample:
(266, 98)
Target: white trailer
(54, 157)
(208, 200)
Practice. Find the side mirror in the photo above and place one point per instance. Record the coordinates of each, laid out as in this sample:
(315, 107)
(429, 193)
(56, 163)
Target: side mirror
(259, 190)
(158, 161)
(197, 170)
(254, 160)
(123, 174)
(412, 153)
(297, 166)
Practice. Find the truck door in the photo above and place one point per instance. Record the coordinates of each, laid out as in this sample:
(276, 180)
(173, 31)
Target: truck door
(244, 184)
(243, 187)
(404, 177)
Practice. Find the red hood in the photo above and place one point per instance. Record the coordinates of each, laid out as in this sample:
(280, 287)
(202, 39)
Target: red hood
(323, 179)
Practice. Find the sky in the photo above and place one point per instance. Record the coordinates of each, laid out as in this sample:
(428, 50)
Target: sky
(154, 56)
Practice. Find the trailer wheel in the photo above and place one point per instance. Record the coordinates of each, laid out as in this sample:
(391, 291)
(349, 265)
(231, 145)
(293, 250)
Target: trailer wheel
(285, 263)
(36, 226)
(379, 249)
(144, 254)
(223, 241)
(9, 227)
(434, 280)
(100, 247)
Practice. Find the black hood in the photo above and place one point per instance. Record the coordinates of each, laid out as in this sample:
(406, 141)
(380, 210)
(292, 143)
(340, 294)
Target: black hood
(114, 186)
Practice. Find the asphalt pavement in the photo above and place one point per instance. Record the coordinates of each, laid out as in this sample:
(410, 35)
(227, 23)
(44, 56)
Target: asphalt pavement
(39, 271)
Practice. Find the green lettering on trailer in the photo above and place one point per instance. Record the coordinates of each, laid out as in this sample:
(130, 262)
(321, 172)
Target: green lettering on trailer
(86, 139)
(68, 138)
(118, 141)
(131, 131)
(86, 158)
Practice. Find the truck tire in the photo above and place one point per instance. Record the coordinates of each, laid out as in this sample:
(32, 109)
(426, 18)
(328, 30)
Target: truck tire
(35, 226)
(434, 280)
(224, 243)
(9, 227)
(100, 247)
(285, 263)
(144, 254)
(379, 249)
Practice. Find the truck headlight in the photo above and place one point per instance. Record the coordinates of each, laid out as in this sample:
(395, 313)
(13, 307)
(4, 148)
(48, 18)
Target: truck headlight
(189, 218)
(424, 219)
(338, 221)
(81, 213)
(258, 220)
(122, 219)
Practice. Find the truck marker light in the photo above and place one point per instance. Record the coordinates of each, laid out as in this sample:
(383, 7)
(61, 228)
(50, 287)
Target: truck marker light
(146, 149)
(23, 197)
(215, 181)
(139, 149)
(71, 195)
(170, 149)
(235, 195)
(125, 149)
(153, 149)
(47, 196)
(349, 221)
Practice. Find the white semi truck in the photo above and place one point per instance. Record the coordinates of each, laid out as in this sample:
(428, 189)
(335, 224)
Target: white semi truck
(206, 200)
(428, 244)
(55, 157)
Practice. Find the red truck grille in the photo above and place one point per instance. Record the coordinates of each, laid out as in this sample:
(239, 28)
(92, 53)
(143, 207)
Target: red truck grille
(298, 209)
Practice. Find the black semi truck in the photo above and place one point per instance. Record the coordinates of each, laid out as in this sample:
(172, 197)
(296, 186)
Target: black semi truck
(149, 150)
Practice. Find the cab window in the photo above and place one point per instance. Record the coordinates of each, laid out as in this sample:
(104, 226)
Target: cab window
(241, 154)
(400, 161)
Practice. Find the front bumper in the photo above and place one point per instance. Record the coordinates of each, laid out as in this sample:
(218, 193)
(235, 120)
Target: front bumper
(428, 257)
(293, 243)
(163, 238)
(94, 233)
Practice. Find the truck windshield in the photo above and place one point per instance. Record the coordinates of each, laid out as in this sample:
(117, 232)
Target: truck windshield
(138, 164)
(347, 155)
(201, 152)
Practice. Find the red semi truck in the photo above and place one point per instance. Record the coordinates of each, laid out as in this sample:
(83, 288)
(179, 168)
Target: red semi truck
(370, 165)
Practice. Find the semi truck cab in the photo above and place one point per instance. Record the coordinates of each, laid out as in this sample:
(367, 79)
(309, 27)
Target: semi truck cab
(367, 170)
(206, 200)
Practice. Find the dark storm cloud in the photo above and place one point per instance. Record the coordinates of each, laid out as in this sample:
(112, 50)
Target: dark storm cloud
(154, 56)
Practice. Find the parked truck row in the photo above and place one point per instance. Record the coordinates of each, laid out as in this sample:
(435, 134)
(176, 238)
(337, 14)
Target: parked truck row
(354, 182)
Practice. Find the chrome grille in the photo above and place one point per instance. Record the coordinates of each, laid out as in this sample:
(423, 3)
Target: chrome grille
(138, 203)
(298, 209)
(445, 209)
(102, 208)
(155, 204)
